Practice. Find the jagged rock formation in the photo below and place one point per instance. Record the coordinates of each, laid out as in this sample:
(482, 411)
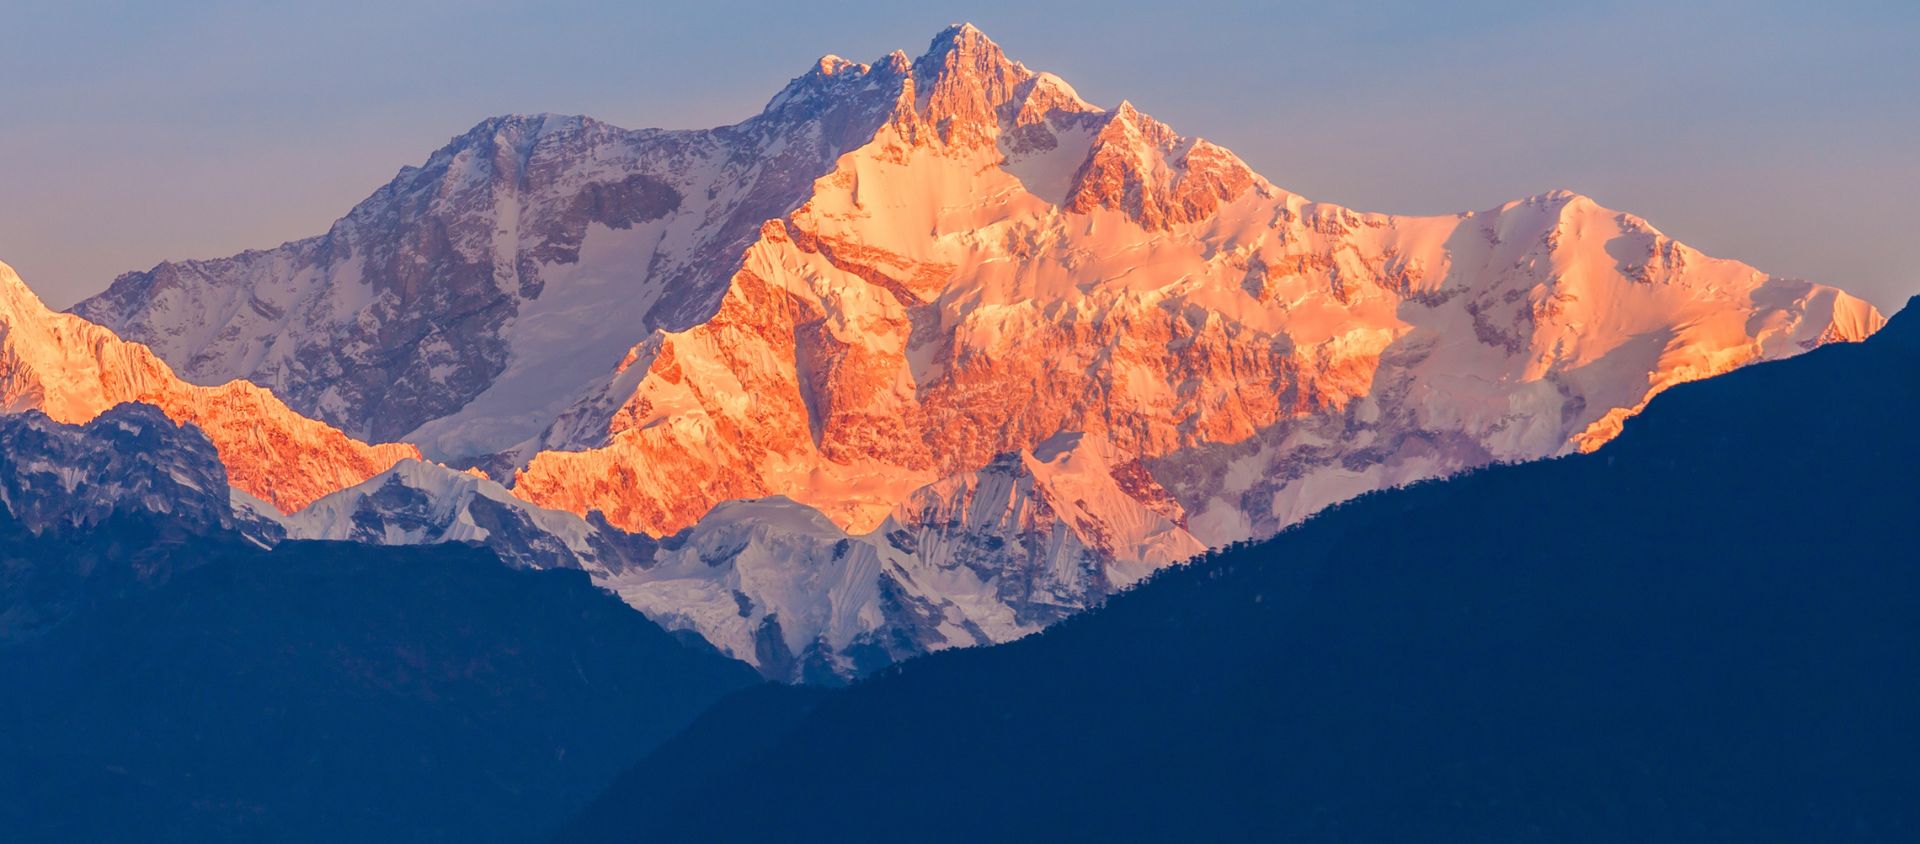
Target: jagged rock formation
(131, 459)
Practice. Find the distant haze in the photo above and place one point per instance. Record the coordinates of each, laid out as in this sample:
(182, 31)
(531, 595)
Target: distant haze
(1782, 134)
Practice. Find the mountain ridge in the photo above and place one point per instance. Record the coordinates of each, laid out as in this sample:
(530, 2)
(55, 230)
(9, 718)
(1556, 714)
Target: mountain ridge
(74, 370)
(898, 273)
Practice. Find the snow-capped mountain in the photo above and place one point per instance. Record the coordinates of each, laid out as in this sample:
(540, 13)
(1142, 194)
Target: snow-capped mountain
(73, 370)
(932, 351)
(1004, 263)
(422, 503)
(473, 298)
(1046, 532)
(129, 459)
(978, 558)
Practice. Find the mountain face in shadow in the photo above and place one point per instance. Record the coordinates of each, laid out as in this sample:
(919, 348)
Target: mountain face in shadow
(91, 512)
(318, 691)
(1708, 630)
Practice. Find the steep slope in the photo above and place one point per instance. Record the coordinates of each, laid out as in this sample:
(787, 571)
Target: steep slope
(73, 370)
(778, 585)
(986, 557)
(1049, 531)
(485, 290)
(1702, 632)
(129, 459)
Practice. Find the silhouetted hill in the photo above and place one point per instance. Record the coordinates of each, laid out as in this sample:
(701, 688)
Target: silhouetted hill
(1706, 631)
(330, 691)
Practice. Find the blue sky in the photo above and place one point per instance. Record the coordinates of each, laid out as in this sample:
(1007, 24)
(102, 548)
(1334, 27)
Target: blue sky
(1783, 134)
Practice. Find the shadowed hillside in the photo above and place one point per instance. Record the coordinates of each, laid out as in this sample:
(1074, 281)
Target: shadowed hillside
(328, 692)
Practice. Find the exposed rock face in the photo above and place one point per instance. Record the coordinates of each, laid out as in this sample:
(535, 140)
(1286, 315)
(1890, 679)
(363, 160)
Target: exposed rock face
(1138, 166)
(913, 303)
(73, 370)
(131, 459)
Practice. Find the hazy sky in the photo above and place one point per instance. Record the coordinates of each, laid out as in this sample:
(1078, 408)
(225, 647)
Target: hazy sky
(1783, 134)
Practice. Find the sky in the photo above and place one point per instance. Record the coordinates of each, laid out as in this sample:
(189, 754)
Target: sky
(1786, 135)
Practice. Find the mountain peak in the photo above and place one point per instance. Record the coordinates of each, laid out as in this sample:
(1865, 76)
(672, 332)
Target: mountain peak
(961, 81)
(14, 292)
(903, 275)
(831, 64)
(963, 37)
(963, 50)
(832, 79)
(958, 89)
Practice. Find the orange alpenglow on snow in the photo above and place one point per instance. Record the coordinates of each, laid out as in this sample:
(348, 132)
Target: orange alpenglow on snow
(1002, 262)
(902, 271)
(932, 352)
(73, 370)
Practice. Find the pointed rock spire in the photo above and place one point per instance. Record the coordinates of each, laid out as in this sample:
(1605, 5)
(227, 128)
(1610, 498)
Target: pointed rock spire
(961, 82)
(1140, 166)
